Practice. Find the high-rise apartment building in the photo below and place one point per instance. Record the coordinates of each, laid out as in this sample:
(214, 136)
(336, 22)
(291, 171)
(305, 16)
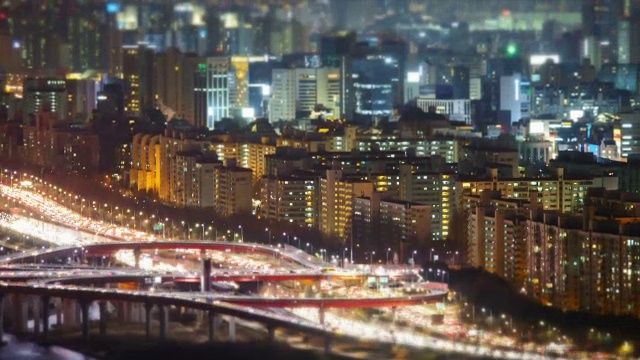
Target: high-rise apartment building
(448, 148)
(87, 35)
(290, 197)
(194, 179)
(139, 78)
(432, 188)
(336, 202)
(584, 262)
(169, 74)
(233, 190)
(496, 232)
(563, 193)
(383, 223)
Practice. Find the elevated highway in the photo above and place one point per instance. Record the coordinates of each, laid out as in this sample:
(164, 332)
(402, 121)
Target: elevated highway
(107, 248)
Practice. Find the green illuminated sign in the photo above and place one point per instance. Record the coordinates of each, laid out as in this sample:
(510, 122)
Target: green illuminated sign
(511, 50)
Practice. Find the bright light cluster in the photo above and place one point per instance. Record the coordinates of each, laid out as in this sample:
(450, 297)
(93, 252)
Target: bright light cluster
(60, 214)
(147, 263)
(385, 333)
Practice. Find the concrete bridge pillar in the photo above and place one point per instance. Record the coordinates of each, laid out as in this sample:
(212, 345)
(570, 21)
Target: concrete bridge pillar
(84, 309)
(328, 343)
(121, 309)
(206, 275)
(20, 313)
(59, 312)
(130, 312)
(271, 331)
(1, 317)
(104, 316)
(214, 322)
(35, 309)
(69, 312)
(164, 321)
(394, 313)
(232, 328)
(44, 302)
(139, 313)
(148, 307)
(321, 313)
(7, 311)
(136, 255)
(78, 313)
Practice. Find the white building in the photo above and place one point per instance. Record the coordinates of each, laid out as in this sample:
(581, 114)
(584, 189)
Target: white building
(455, 109)
(629, 129)
(302, 89)
(283, 98)
(514, 97)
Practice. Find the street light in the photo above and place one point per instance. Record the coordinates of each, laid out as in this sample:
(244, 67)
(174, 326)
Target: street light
(509, 322)
(388, 249)
(371, 258)
(413, 260)
(268, 234)
(241, 233)
(343, 258)
(202, 230)
(431, 255)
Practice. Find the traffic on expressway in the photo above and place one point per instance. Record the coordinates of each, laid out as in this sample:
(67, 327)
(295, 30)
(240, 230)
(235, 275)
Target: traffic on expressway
(392, 305)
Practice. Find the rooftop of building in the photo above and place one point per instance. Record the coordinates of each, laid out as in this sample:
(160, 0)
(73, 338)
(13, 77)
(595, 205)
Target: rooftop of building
(613, 195)
(567, 177)
(402, 202)
(235, 168)
(295, 175)
(189, 153)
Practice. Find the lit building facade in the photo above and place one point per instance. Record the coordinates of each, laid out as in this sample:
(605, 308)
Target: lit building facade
(214, 91)
(562, 193)
(233, 190)
(138, 71)
(585, 263)
(336, 203)
(49, 94)
(300, 90)
(447, 148)
(496, 232)
(628, 129)
(455, 109)
(436, 189)
(383, 223)
(290, 198)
